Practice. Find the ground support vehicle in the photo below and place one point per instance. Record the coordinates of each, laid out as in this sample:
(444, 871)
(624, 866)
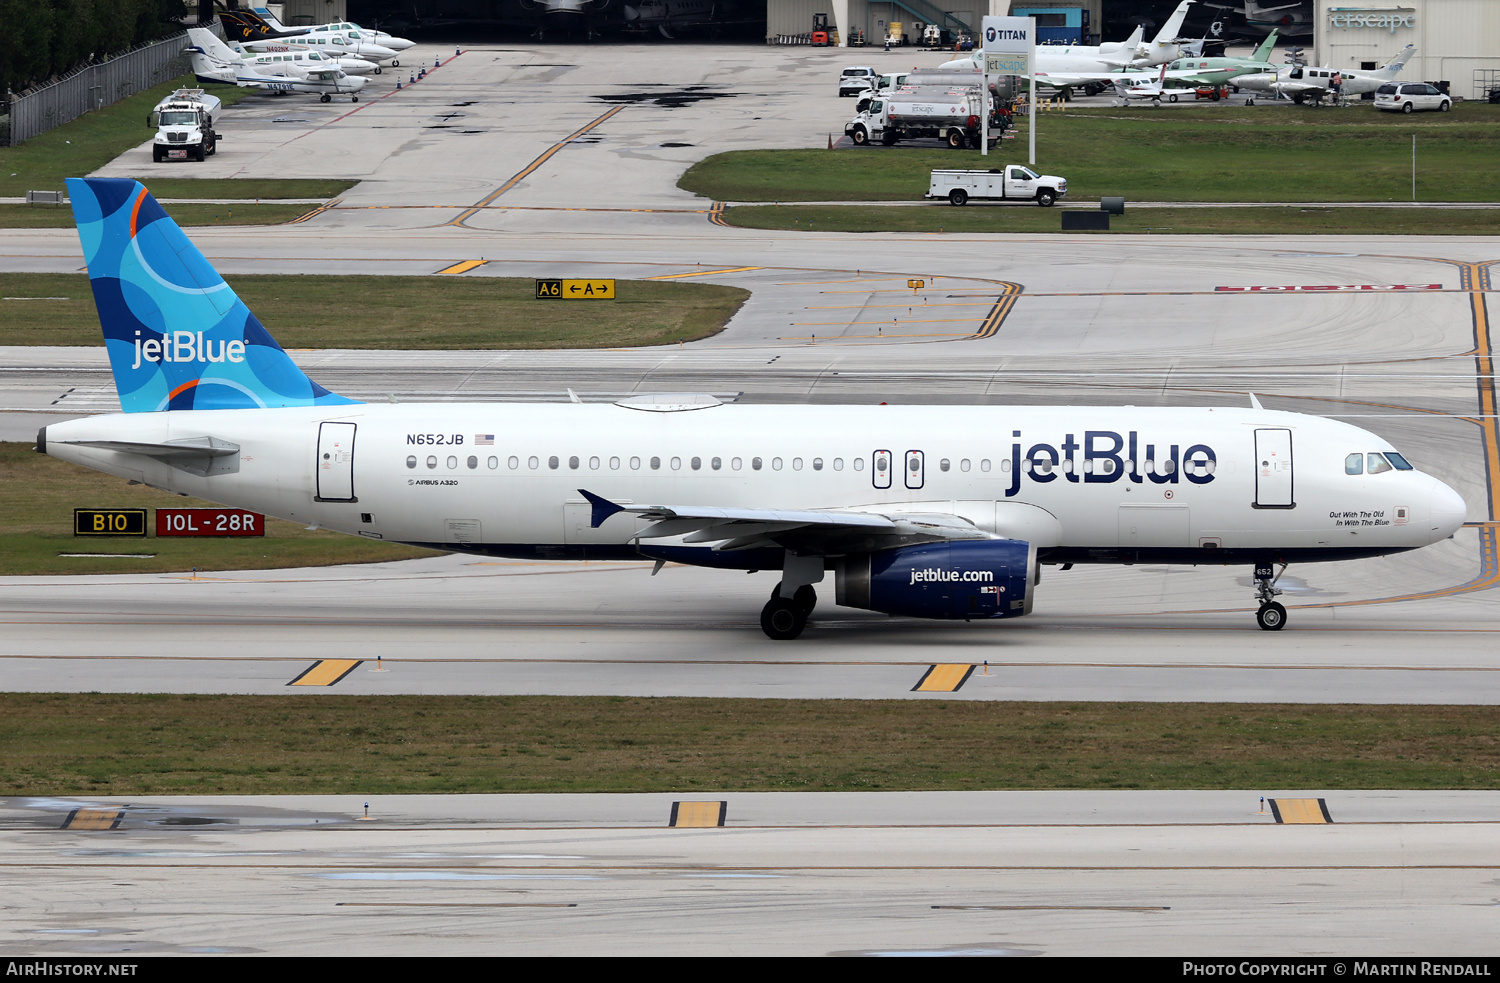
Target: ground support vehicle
(1012, 182)
(952, 117)
(184, 124)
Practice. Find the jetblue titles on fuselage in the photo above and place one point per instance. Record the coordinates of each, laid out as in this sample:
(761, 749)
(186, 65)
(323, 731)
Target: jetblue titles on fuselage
(1102, 462)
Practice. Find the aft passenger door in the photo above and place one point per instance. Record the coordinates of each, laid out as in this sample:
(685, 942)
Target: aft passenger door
(1273, 469)
(335, 466)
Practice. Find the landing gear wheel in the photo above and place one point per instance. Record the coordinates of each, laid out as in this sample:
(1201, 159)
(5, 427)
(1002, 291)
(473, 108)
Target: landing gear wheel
(958, 196)
(782, 619)
(325, 97)
(395, 62)
(354, 98)
(806, 599)
(1172, 98)
(377, 70)
(1271, 617)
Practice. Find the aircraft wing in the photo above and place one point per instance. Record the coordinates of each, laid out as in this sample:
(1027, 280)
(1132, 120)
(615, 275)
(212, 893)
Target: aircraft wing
(828, 532)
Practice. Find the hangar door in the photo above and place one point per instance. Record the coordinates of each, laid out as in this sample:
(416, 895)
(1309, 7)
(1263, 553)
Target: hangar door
(336, 462)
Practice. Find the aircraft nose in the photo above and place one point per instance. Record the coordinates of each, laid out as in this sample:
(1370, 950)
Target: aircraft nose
(1448, 510)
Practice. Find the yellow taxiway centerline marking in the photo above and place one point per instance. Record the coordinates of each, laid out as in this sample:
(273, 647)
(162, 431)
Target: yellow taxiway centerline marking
(680, 276)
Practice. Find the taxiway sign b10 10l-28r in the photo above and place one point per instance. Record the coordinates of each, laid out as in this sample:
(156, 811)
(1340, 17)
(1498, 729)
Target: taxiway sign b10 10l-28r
(924, 511)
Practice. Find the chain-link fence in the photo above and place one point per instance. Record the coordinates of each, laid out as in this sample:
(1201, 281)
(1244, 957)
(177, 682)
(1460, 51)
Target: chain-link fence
(96, 86)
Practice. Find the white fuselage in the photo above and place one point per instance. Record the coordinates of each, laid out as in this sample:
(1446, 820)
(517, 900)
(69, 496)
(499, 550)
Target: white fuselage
(1080, 483)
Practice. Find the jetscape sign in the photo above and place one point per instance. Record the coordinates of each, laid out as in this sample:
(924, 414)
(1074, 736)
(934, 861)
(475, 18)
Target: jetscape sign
(1380, 18)
(1332, 287)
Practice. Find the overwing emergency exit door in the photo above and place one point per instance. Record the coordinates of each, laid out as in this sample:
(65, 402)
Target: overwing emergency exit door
(336, 462)
(1273, 469)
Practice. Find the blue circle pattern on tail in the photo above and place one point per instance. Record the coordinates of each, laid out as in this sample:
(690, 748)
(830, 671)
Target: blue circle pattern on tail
(178, 336)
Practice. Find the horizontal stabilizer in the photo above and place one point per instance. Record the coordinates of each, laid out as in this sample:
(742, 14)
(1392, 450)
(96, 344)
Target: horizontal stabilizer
(202, 456)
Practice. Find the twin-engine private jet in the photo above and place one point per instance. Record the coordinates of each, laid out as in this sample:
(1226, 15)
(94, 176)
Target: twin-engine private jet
(921, 511)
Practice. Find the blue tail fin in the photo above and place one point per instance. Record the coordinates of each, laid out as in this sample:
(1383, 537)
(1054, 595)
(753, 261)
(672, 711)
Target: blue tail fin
(178, 337)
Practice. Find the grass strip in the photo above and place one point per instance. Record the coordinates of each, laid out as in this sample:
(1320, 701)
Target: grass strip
(974, 217)
(36, 524)
(242, 213)
(91, 743)
(1240, 154)
(94, 139)
(402, 312)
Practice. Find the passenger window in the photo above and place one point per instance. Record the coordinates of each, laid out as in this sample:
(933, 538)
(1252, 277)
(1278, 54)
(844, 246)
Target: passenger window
(593, 464)
(1378, 463)
(716, 464)
(1354, 464)
(411, 462)
(656, 464)
(963, 465)
(573, 463)
(531, 462)
(838, 464)
(817, 464)
(943, 464)
(614, 464)
(859, 464)
(755, 463)
(676, 464)
(775, 464)
(735, 463)
(513, 463)
(552, 462)
(796, 464)
(635, 464)
(493, 463)
(472, 462)
(431, 462)
(696, 463)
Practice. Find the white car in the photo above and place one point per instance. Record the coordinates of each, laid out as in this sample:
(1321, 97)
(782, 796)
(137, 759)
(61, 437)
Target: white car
(1411, 97)
(856, 79)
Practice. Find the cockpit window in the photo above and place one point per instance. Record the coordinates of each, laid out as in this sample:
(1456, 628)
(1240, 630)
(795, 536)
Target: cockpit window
(1354, 464)
(1398, 462)
(1378, 463)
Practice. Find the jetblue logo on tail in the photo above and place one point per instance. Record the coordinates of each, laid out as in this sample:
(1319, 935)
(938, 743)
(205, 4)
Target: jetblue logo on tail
(178, 337)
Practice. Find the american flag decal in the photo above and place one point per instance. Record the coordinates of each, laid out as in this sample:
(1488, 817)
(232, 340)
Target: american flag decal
(484, 440)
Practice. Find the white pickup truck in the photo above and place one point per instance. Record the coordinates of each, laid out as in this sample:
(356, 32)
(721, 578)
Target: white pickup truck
(1012, 182)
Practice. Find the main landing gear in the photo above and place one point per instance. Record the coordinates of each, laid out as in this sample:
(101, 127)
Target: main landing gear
(1271, 616)
(783, 618)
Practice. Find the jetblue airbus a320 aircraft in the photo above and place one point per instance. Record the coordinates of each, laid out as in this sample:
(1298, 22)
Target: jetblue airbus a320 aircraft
(926, 511)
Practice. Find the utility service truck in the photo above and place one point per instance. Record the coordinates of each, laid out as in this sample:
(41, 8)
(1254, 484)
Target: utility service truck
(184, 124)
(1010, 183)
(951, 116)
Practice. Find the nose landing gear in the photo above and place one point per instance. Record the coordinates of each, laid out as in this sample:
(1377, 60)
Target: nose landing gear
(1272, 615)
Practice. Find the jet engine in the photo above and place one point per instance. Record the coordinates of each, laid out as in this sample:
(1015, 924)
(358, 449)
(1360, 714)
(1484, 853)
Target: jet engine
(986, 578)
